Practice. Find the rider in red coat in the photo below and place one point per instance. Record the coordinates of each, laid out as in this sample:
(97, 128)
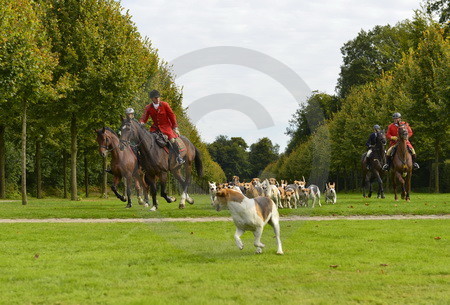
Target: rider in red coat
(164, 120)
(392, 136)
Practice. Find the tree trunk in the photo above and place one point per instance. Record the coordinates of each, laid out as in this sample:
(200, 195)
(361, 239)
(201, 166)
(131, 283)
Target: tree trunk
(73, 158)
(64, 174)
(24, 153)
(436, 167)
(2, 163)
(38, 158)
(86, 176)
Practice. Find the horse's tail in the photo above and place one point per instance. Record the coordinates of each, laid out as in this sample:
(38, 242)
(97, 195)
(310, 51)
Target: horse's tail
(198, 163)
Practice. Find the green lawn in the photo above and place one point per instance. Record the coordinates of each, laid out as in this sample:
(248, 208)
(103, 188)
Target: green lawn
(328, 262)
(348, 204)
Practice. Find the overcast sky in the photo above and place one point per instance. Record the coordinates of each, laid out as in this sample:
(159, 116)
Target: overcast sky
(304, 36)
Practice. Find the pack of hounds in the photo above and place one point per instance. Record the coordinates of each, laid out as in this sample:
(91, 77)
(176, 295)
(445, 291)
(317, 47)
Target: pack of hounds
(283, 194)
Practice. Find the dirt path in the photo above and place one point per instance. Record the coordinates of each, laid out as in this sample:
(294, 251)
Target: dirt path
(214, 219)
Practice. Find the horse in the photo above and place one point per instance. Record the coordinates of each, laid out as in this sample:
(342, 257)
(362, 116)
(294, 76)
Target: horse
(123, 165)
(402, 165)
(157, 162)
(375, 162)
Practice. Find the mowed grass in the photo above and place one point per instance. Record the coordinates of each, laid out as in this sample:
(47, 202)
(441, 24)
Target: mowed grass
(325, 262)
(347, 204)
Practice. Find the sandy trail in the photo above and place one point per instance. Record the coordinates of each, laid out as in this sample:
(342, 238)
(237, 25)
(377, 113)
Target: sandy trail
(216, 219)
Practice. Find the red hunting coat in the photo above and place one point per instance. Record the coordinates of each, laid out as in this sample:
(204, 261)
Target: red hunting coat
(393, 131)
(163, 119)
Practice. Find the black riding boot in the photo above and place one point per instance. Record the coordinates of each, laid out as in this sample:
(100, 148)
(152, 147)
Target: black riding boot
(415, 164)
(176, 149)
(388, 164)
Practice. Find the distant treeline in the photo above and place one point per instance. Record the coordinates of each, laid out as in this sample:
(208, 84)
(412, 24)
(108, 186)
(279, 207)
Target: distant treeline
(68, 67)
(403, 68)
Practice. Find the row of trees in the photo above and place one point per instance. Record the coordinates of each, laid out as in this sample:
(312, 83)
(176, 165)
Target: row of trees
(406, 69)
(66, 68)
(237, 158)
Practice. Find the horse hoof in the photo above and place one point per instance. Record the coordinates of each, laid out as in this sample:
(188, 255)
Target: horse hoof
(153, 209)
(128, 206)
(123, 199)
(382, 197)
(171, 199)
(181, 206)
(145, 205)
(190, 200)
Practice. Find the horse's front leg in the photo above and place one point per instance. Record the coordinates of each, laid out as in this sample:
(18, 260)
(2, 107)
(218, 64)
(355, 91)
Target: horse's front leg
(380, 187)
(394, 185)
(163, 181)
(408, 186)
(116, 181)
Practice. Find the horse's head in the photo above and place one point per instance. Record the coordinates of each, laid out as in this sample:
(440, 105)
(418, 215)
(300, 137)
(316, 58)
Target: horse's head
(381, 137)
(403, 133)
(104, 140)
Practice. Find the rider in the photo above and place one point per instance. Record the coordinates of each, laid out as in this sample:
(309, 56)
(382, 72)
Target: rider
(129, 112)
(371, 144)
(164, 120)
(392, 136)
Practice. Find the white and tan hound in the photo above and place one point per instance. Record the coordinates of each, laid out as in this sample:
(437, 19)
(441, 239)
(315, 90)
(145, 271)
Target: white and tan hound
(250, 215)
(330, 193)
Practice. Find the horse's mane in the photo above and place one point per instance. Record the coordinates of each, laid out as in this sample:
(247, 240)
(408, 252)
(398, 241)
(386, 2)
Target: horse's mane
(112, 131)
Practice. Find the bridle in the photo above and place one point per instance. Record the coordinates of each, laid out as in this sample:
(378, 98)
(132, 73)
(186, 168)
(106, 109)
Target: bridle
(107, 146)
(128, 142)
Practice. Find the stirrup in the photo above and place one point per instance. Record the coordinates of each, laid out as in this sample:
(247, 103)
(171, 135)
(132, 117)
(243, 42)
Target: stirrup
(416, 165)
(386, 167)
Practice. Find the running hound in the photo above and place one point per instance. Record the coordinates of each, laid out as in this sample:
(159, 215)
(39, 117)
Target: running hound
(250, 215)
(330, 193)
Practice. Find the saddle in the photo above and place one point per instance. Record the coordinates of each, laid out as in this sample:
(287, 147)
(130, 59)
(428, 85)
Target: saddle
(163, 141)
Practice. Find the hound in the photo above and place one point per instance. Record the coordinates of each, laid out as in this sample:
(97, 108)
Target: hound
(311, 193)
(257, 185)
(271, 191)
(301, 183)
(330, 193)
(273, 181)
(212, 191)
(282, 194)
(250, 215)
(250, 190)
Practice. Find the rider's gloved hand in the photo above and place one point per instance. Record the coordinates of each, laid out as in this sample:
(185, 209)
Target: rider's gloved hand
(177, 131)
(394, 138)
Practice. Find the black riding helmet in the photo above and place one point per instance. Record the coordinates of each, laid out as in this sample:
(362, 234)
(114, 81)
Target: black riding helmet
(154, 93)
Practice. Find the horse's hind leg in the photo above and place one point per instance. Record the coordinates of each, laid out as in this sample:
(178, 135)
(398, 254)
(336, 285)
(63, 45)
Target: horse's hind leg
(183, 186)
(151, 181)
(116, 181)
(188, 179)
(380, 187)
(128, 181)
(163, 181)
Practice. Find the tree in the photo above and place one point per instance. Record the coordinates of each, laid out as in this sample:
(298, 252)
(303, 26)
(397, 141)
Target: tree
(103, 64)
(261, 153)
(371, 53)
(231, 155)
(424, 75)
(305, 121)
(26, 67)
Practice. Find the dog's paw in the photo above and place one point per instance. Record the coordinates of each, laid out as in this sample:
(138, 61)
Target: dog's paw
(258, 250)
(280, 252)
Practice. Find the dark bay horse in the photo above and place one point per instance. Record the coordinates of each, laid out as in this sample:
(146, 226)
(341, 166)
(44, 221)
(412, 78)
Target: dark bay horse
(402, 165)
(375, 162)
(123, 165)
(156, 162)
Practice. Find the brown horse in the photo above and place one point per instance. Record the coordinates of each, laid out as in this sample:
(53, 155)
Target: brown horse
(376, 162)
(123, 165)
(157, 162)
(402, 165)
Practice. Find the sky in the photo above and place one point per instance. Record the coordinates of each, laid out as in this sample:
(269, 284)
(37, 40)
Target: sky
(245, 66)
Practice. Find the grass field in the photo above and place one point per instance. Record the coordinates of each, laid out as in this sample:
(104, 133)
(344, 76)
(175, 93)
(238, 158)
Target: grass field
(327, 262)
(348, 204)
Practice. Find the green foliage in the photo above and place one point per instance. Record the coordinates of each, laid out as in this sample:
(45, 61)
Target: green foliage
(261, 153)
(231, 155)
(371, 53)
